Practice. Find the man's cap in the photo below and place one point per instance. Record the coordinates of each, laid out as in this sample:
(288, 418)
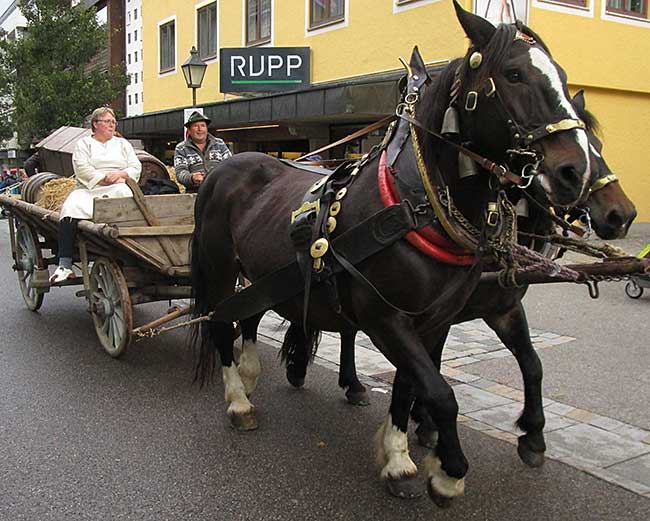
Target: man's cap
(196, 116)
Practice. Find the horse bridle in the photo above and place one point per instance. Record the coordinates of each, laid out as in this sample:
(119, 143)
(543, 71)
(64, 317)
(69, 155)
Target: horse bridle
(520, 138)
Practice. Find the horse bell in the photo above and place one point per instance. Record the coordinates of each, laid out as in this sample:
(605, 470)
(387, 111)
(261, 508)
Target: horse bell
(450, 123)
(466, 166)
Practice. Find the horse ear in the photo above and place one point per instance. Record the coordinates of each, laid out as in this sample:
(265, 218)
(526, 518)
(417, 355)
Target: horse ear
(417, 64)
(578, 100)
(477, 29)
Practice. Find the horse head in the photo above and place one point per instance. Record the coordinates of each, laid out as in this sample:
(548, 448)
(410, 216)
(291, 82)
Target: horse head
(514, 107)
(610, 211)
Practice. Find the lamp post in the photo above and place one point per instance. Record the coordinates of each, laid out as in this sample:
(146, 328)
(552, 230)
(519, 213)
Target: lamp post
(194, 70)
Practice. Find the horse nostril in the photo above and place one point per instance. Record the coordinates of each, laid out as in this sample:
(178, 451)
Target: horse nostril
(615, 219)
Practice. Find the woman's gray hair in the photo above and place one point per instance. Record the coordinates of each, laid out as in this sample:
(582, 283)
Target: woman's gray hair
(98, 113)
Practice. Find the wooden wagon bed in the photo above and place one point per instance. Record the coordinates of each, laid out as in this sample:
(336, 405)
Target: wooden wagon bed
(136, 250)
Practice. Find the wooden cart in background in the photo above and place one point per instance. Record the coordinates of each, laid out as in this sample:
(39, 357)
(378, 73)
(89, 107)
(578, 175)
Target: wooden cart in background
(136, 250)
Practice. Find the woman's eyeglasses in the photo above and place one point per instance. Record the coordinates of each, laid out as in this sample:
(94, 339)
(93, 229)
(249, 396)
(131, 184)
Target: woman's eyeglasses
(108, 121)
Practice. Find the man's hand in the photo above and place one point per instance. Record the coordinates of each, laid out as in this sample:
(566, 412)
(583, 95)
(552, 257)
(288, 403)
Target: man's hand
(197, 178)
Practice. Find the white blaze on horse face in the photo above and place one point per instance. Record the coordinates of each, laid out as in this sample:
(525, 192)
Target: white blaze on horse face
(594, 151)
(393, 452)
(235, 393)
(249, 366)
(542, 62)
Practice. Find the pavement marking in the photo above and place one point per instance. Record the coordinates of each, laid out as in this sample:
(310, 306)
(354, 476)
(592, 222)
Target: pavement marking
(604, 447)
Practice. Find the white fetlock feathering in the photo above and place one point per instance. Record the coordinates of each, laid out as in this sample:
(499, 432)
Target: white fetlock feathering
(249, 366)
(234, 392)
(442, 483)
(393, 452)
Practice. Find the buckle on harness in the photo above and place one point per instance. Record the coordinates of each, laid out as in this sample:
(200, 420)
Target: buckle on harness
(492, 215)
(317, 250)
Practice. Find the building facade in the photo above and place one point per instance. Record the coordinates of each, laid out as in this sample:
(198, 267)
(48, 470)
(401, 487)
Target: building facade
(353, 47)
(134, 69)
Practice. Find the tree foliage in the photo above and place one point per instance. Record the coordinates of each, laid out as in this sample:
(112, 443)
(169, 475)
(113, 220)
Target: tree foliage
(47, 73)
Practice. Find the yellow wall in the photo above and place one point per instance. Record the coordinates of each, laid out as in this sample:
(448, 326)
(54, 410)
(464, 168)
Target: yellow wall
(609, 60)
(372, 41)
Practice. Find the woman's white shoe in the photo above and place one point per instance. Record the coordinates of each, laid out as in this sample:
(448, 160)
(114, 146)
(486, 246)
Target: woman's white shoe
(61, 274)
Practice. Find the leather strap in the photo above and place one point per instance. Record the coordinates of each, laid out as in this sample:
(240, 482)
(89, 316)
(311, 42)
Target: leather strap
(366, 130)
(369, 237)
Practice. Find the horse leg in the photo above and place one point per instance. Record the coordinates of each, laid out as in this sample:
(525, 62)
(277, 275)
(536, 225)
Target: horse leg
(249, 367)
(355, 392)
(427, 430)
(296, 351)
(512, 329)
(447, 465)
(398, 470)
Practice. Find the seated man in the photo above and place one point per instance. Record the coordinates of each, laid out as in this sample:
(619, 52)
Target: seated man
(195, 157)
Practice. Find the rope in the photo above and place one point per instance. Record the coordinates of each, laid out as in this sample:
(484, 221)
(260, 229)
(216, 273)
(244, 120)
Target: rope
(580, 246)
(153, 332)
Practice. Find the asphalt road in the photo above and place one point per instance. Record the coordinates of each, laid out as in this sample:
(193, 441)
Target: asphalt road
(86, 437)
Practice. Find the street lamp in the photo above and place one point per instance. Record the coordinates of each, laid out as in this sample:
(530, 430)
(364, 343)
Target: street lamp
(194, 70)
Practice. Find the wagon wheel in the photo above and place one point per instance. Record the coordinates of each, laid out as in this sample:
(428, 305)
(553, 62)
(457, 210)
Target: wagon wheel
(633, 290)
(28, 259)
(110, 306)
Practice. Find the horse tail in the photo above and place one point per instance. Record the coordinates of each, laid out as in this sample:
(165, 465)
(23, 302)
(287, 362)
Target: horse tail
(205, 336)
(297, 351)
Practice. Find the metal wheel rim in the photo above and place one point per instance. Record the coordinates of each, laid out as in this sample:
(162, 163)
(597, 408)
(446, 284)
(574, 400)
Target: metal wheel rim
(633, 290)
(28, 255)
(110, 306)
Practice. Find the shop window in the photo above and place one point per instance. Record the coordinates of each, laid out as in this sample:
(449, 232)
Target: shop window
(325, 12)
(258, 22)
(206, 22)
(635, 8)
(167, 47)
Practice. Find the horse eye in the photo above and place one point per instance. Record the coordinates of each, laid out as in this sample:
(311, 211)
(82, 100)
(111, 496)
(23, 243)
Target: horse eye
(513, 76)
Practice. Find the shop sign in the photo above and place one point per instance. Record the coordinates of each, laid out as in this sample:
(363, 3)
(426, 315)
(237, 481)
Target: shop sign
(264, 69)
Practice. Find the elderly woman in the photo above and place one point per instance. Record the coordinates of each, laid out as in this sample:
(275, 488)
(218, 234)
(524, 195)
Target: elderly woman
(102, 162)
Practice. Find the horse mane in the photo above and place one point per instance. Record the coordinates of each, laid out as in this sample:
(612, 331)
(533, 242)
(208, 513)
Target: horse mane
(493, 55)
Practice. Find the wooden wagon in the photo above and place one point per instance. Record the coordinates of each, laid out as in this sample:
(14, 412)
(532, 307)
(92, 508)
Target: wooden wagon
(136, 250)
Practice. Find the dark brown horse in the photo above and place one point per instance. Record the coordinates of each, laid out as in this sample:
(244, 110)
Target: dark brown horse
(502, 309)
(508, 97)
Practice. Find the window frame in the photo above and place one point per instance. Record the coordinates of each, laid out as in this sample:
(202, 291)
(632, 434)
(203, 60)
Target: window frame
(628, 14)
(326, 22)
(161, 24)
(197, 28)
(259, 40)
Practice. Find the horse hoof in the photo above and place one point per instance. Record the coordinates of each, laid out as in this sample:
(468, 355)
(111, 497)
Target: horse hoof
(427, 439)
(406, 487)
(357, 398)
(440, 500)
(296, 381)
(244, 422)
(530, 457)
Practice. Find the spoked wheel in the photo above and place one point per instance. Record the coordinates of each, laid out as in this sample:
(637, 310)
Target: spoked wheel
(110, 306)
(28, 259)
(633, 290)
